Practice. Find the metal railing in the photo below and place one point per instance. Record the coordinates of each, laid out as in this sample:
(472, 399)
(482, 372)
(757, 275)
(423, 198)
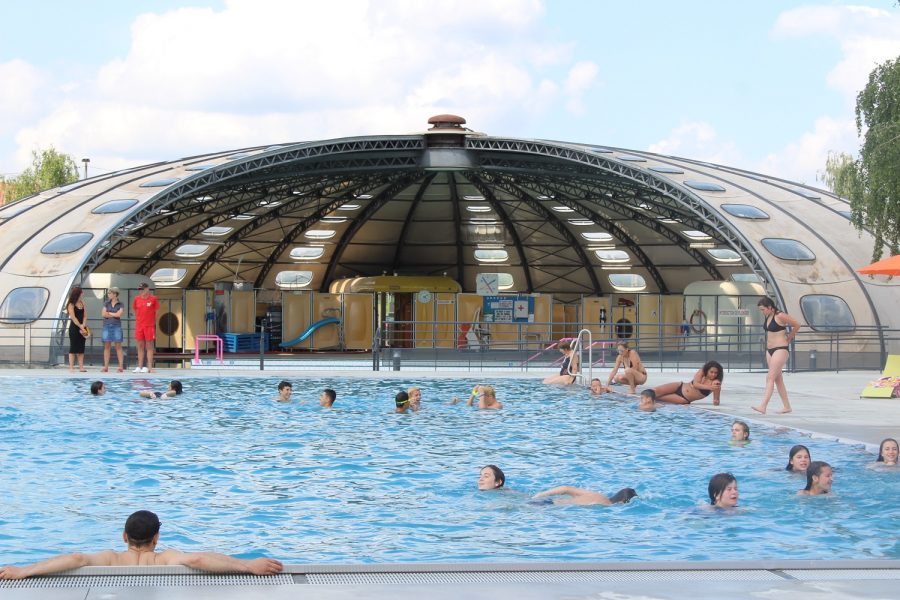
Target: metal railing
(519, 346)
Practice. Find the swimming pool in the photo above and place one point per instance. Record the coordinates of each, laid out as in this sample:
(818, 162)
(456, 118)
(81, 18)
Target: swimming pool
(230, 470)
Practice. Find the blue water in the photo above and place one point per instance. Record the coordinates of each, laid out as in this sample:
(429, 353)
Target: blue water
(229, 469)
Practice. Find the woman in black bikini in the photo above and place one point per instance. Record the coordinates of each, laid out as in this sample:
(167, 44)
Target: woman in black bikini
(707, 379)
(777, 351)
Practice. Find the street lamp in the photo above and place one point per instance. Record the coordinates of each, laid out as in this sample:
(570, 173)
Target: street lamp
(85, 161)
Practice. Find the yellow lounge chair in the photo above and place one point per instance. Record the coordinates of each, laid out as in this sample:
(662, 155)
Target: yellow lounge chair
(890, 380)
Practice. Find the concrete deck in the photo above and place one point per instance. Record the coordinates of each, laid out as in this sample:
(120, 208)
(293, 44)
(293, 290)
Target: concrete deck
(825, 404)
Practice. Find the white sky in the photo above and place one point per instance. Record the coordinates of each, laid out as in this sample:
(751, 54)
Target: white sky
(766, 85)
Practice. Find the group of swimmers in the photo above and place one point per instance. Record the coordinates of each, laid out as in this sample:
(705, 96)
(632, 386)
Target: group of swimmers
(98, 388)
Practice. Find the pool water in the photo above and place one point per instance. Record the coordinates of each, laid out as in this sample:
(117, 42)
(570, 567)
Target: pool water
(229, 469)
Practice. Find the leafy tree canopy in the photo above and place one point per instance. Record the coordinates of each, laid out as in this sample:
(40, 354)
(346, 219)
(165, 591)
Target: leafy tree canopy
(872, 182)
(49, 169)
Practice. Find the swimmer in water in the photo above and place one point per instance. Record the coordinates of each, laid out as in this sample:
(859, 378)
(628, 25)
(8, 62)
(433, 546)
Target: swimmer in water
(285, 389)
(415, 398)
(598, 388)
(819, 477)
(798, 459)
(327, 398)
(490, 478)
(98, 388)
(401, 403)
(585, 497)
(723, 491)
(647, 402)
(887, 452)
(173, 390)
(740, 434)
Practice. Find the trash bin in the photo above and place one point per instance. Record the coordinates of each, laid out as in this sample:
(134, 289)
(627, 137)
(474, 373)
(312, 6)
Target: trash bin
(395, 359)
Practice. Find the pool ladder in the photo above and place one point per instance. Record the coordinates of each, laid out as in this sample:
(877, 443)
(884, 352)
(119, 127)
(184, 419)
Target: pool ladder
(578, 349)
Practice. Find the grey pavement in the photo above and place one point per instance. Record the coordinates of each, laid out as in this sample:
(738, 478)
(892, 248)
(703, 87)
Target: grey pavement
(824, 403)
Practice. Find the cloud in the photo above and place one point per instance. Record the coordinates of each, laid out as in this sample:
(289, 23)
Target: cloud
(270, 71)
(867, 36)
(21, 97)
(699, 141)
(803, 159)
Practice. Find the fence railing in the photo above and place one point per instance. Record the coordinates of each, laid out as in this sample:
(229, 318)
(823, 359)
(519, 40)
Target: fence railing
(521, 346)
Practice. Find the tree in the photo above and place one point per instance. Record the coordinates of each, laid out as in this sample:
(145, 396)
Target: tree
(872, 182)
(49, 169)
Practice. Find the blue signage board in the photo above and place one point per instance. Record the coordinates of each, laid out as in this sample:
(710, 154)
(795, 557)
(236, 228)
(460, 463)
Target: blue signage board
(508, 309)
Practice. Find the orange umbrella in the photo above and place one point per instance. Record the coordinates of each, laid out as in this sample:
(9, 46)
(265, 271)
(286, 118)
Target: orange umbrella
(888, 266)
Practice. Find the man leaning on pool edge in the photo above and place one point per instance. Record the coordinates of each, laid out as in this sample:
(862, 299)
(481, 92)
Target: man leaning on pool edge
(142, 534)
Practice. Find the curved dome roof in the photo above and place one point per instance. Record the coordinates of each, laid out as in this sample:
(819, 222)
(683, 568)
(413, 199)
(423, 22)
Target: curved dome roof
(558, 218)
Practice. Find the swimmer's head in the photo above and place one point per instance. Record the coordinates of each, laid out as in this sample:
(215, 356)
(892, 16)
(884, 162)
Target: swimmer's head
(623, 496)
(401, 400)
(887, 451)
(327, 397)
(141, 527)
(285, 385)
(798, 459)
(175, 386)
(415, 395)
(596, 386)
(488, 391)
(740, 431)
(647, 401)
(491, 478)
(723, 491)
(819, 475)
(97, 388)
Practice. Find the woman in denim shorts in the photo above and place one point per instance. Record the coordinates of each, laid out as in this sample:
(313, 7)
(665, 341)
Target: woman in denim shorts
(112, 327)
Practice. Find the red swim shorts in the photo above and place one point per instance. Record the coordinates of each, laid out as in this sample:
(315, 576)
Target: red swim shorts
(145, 333)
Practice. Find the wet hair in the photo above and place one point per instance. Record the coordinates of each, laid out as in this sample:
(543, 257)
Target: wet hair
(794, 451)
(650, 393)
(284, 384)
(743, 426)
(564, 346)
(73, 295)
(96, 387)
(488, 390)
(330, 394)
(175, 385)
(499, 477)
(767, 302)
(401, 399)
(709, 365)
(814, 470)
(623, 496)
(413, 389)
(717, 485)
(141, 526)
(881, 448)
(595, 379)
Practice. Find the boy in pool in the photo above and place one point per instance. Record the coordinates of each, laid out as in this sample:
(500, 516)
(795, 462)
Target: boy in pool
(173, 390)
(647, 402)
(401, 403)
(285, 389)
(327, 398)
(598, 388)
(740, 433)
(141, 534)
(98, 388)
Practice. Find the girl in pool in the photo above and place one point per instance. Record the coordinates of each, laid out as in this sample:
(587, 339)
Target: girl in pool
(634, 372)
(723, 491)
(584, 497)
(887, 452)
(490, 478)
(568, 372)
(707, 379)
(778, 344)
(740, 433)
(798, 459)
(819, 477)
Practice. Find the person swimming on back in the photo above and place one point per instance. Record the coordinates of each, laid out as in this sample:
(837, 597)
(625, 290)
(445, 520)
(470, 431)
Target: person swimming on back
(585, 497)
(173, 390)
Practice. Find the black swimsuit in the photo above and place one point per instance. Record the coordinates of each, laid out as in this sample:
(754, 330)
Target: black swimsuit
(773, 326)
(680, 392)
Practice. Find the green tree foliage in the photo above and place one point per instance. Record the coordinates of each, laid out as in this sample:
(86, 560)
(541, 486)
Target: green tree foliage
(872, 183)
(49, 169)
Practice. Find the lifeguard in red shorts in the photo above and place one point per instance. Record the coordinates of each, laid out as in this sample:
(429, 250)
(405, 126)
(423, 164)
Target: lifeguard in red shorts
(144, 307)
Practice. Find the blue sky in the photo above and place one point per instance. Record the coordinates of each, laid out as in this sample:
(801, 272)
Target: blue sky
(768, 86)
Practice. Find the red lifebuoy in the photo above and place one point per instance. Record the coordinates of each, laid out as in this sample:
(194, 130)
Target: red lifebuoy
(698, 321)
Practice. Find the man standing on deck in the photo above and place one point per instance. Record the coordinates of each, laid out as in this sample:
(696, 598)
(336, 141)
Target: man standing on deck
(144, 307)
(142, 534)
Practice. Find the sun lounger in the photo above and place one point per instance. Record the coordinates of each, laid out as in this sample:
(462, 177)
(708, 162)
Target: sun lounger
(888, 385)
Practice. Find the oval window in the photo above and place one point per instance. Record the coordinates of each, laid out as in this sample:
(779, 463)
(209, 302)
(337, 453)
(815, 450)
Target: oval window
(724, 255)
(191, 250)
(66, 243)
(24, 305)
(293, 280)
(704, 186)
(164, 277)
(666, 169)
(827, 313)
(612, 256)
(596, 236)
(218, 230)
(788, 249)
(627, 282)
(159, 182)
(745, 211)
(114, 206)
(491, 255)
(307, 252)
(319, 234)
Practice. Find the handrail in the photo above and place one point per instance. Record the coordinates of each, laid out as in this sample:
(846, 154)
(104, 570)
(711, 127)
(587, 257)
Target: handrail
(579, 346)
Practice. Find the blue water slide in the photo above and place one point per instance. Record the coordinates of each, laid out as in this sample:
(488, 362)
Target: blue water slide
(310, 330)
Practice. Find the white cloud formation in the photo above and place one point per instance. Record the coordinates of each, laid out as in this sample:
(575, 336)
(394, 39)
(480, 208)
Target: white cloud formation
(20, 99)
(699, 141)
(271, 71)
(867, 36)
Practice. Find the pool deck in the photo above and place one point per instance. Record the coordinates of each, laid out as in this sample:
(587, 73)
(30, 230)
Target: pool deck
(825, 404)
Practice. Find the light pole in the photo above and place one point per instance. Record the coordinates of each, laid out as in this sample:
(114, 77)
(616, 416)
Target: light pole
(85, 161)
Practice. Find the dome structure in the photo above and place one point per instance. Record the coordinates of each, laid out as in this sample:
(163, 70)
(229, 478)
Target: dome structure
(552, 217)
